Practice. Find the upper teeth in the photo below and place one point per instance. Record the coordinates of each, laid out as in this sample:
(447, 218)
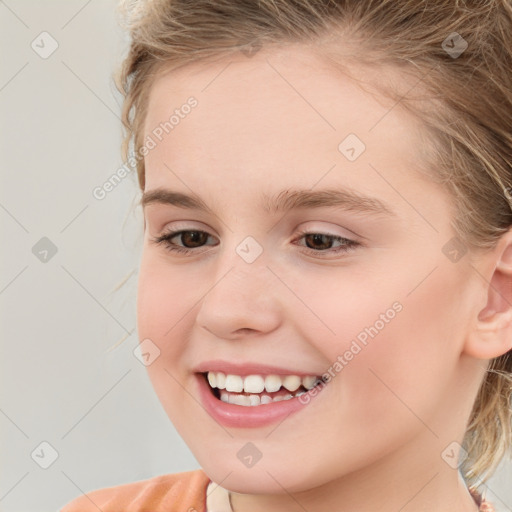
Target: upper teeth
(258, 383)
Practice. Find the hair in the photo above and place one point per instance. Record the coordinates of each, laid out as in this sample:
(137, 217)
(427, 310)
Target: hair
(466, 119)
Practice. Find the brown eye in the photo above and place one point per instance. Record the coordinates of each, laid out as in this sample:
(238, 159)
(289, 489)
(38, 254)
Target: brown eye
(323, 243)
(193, 238)
(318, 241)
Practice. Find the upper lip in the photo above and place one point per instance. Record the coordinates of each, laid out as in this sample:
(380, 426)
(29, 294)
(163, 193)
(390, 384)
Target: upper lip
(249, 368)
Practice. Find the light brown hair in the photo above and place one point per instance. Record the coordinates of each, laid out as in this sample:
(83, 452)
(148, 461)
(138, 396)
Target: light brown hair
(466, 120)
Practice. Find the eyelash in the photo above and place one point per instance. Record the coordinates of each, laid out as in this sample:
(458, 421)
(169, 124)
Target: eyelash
(165, 240)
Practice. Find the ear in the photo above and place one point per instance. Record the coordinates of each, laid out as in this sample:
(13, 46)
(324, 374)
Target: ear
(491, 334)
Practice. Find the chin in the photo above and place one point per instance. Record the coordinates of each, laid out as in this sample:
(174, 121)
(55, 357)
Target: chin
(270, 478)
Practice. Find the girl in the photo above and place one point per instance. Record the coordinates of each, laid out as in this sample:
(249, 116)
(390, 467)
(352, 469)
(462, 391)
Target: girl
(325, 290)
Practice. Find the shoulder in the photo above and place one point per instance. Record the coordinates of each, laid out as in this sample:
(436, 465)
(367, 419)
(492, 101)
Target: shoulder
(178, 492)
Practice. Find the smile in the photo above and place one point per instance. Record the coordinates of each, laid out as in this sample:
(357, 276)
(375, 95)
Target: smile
(255, 390)
(252, 394)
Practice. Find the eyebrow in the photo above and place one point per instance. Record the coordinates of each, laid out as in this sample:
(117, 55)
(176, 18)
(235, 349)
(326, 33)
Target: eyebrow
(286, 200)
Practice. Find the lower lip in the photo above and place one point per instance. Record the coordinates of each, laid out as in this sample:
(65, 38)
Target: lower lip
(231, 415)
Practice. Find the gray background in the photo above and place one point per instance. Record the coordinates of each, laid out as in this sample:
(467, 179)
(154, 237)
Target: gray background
(67, 376)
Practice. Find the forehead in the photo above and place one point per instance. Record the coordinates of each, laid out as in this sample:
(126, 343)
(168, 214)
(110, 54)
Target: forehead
(277, 116)
(291, 80)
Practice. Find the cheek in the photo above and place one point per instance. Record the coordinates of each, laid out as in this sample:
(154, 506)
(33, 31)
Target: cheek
(396, 352)
(165, 297)
(165, 301)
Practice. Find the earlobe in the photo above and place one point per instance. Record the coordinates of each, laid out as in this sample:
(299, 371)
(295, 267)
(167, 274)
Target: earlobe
(491, 334)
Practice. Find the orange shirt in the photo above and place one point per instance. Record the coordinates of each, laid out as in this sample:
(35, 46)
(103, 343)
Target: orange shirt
(178, 492)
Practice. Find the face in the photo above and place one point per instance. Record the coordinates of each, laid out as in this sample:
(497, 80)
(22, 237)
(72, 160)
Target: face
(320, 251)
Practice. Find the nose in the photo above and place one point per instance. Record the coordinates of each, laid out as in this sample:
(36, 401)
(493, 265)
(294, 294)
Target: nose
(241, 299)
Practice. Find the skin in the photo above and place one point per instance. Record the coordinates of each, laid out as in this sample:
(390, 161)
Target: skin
(373, 437)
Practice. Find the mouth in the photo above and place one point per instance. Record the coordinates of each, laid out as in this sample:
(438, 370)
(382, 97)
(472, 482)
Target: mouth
(257, 390)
